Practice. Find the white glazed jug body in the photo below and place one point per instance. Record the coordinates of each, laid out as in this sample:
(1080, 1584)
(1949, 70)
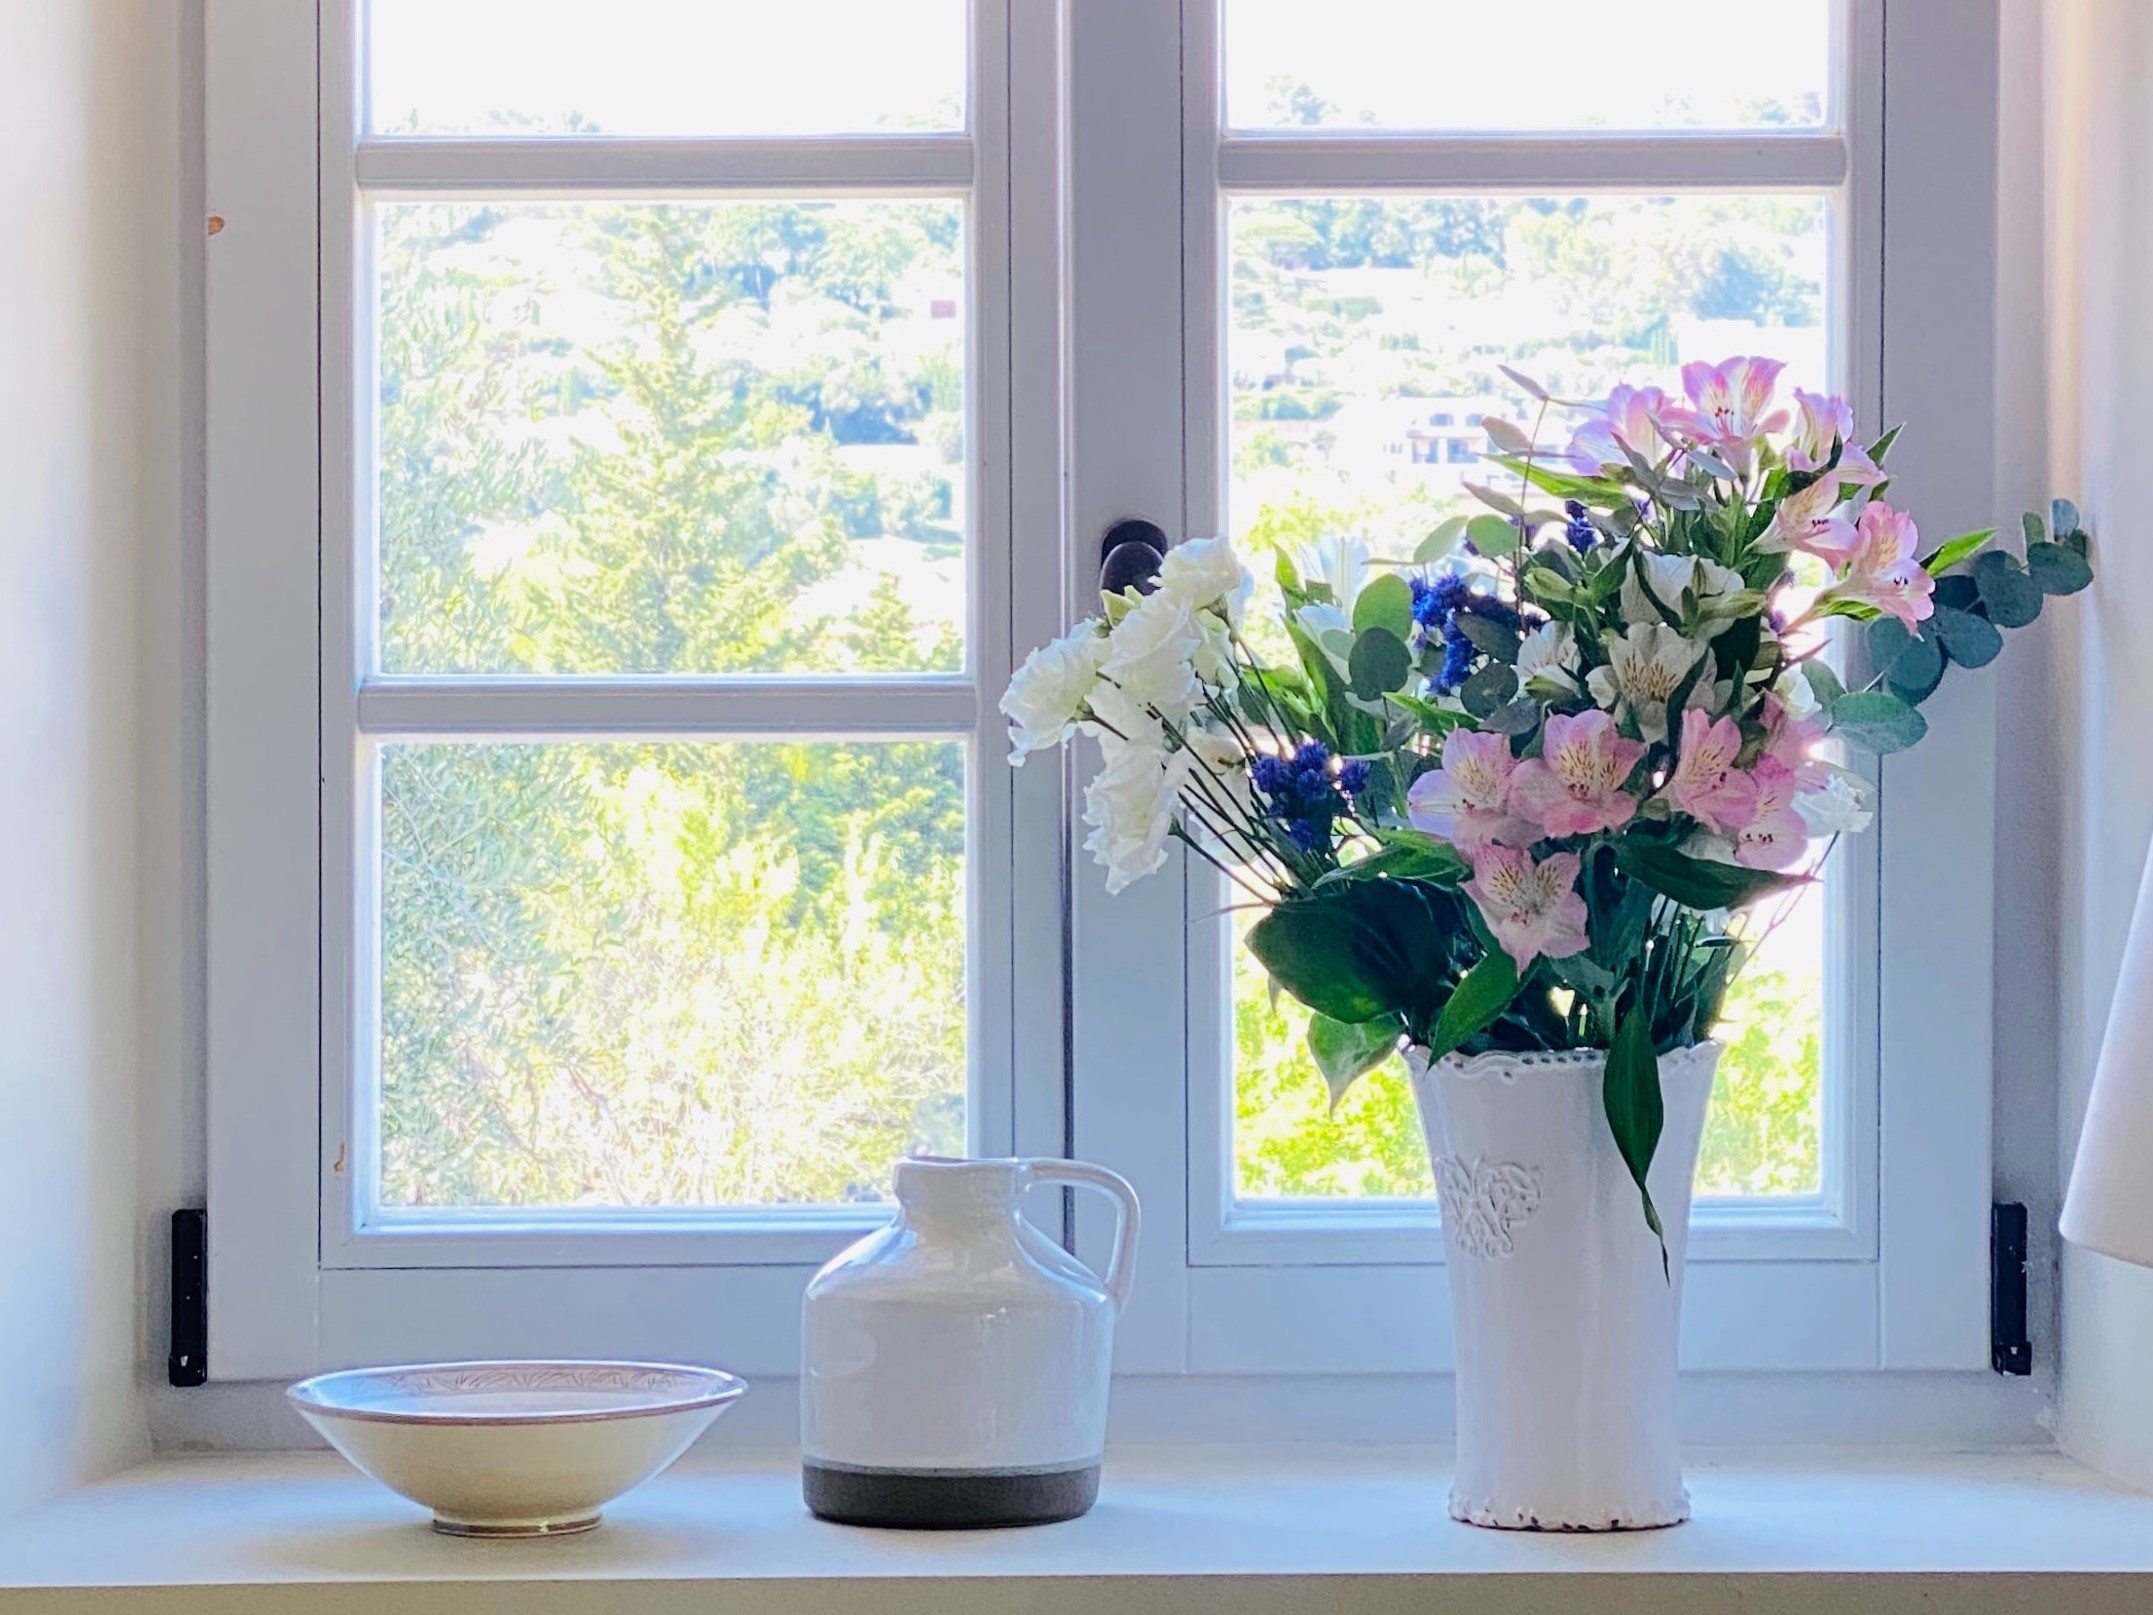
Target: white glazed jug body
(955, 1364)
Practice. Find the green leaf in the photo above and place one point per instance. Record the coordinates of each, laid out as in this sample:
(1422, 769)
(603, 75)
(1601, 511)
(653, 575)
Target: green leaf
(1823, 681)
(1696, 882)
(1346, 1051)
(1952, 552)
(2013, 598)
(1972, 641)
(2057, 568)
(1490, 638)
(1387, 603)
(1877, 721)
(1313, 947)
(1489, 689)
(1492, 536)
(1445, 538)
(1882, 446)
(1912, 664)
(1379, 664)
(1404, 855)
(1482, 994)
(1636, 1112)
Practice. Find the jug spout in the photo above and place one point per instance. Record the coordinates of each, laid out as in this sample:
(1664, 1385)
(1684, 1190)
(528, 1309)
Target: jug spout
(938, 1188)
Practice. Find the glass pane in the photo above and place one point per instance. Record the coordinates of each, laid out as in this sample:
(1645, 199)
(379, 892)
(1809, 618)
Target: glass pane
(672, 438)
(1562, 64)
(669, 975)
(1364, 346)
(664, 67)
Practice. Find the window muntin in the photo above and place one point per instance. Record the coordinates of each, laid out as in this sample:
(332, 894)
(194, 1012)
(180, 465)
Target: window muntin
(664, 68)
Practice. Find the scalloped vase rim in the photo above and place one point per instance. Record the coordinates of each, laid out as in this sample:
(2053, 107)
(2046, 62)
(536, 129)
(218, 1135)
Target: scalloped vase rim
(1512, 1062)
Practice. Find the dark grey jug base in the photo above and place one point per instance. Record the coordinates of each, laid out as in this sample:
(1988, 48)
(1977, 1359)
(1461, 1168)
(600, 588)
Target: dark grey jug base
(947, 1499)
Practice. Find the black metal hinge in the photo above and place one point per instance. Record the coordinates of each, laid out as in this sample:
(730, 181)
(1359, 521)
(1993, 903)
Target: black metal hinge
(2010, 1352)
(188, 1365)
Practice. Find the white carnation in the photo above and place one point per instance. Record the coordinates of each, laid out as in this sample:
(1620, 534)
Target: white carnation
(1130, 806)
(1151, 656)
(1047, 696)
(1204, 574)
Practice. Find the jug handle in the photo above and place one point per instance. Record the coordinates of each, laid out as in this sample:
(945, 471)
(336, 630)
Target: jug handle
(1121, 1269)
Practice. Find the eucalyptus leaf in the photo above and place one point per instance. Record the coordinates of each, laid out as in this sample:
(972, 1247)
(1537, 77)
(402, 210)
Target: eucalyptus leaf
(1442, 540)
(1958, 591)
(1496, 501)
(1387, 602)
(2063, 516)
(1517, 717)
(2057, 569)
(2013, 599)
(2030, 524)
(1972, 641)
(1824, 682)
(1492, 536)
(1912, 664)
(1877, 721)
(1526, 384)
(1506, 435)
(1379, 663)
(1489, 688)
(1489, 637)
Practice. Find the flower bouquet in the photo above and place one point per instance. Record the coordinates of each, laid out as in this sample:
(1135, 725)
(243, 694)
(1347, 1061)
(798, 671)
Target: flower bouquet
(1517, 802)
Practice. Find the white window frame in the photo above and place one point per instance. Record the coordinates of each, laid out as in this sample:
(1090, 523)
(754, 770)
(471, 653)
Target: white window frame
(305, 1273)
(1888, 1268)
(1093, 147)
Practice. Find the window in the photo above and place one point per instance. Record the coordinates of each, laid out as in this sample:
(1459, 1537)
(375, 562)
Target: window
(683, 412)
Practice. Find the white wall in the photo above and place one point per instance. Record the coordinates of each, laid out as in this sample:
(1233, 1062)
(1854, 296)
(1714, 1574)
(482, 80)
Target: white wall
(2100, 184)
(90, 457)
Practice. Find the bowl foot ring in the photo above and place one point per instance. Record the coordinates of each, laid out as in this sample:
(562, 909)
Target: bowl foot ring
(519, 1531)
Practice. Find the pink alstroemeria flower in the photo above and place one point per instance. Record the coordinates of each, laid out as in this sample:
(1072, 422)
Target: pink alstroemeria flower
(1733, 400)
(1787, 739)
(1575, 785)
(1467, 800)
(1777, 836)
(1706, 784)
(1882, 568)
(1630, 416)
(1533, 908)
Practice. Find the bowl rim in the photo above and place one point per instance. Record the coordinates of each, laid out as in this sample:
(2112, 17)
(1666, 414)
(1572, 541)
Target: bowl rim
(308, 1394)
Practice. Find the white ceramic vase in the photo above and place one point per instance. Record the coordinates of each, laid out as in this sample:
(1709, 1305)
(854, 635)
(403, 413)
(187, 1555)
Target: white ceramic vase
(1564, 1320)
(954, 1365)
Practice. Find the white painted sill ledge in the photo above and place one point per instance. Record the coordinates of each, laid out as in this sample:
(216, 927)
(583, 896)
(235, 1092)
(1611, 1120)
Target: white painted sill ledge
(1247, 1530)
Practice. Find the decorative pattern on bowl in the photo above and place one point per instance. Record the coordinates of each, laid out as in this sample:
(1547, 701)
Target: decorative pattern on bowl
(514, 1449)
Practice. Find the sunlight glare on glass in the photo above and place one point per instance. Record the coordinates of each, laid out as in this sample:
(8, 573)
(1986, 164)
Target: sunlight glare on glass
(1551, 65)
(665, 68)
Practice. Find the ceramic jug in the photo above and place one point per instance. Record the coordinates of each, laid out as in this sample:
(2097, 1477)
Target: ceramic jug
(954, 1365)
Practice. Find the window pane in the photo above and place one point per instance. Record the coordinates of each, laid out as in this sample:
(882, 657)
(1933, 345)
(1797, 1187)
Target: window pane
(1562, 64)
(672, 438)
(665, 67)
(1364, 347)
(668, 974)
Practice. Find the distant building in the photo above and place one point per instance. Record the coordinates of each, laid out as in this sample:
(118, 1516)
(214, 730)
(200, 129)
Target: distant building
(1437, 441)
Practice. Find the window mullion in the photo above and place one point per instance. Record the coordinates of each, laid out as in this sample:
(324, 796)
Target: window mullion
(832, 709)
(883, 165)
(1362, 163)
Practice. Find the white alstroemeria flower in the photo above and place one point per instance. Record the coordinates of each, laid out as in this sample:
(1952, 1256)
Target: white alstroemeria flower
(1204, 574)
(1713, 586)
(1319, 621)
(1047, 696)
(1645, 668)
(1839, 806)
(1151, 655)
(1547, 661)
(1340, 562)
(1130, 806)
(1800, 701)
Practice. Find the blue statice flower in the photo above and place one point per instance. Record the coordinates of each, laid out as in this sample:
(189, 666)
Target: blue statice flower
(1580, 531)
(1353, 776)
(1303, 795)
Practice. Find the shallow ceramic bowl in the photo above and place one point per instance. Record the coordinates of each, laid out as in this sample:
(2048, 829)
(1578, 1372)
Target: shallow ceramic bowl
(514, 1449)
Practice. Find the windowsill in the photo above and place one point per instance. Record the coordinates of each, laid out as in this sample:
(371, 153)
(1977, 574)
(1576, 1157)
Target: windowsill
(1224, 1526)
